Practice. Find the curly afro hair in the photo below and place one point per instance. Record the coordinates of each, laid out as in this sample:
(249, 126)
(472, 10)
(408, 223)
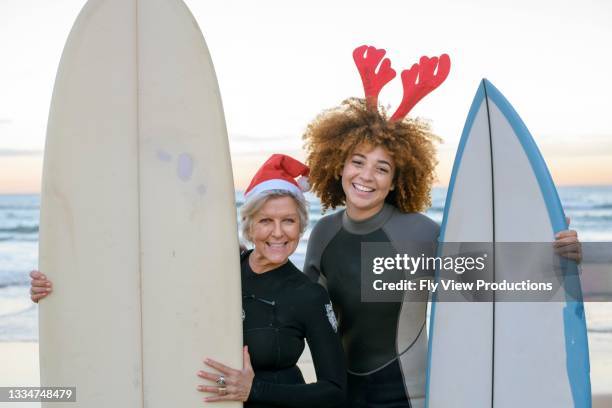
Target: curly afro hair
(336, 132)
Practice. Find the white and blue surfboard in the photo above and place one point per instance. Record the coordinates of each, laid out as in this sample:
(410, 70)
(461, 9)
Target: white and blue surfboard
(505, 354)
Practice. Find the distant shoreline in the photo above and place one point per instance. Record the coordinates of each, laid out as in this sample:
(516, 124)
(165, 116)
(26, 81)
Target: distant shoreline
(436, 187)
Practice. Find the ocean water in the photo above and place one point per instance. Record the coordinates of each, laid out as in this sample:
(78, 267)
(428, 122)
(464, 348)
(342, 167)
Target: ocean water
(589, 208)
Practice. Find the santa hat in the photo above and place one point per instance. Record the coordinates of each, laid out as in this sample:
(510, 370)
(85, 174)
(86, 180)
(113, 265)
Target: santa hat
(279, 172)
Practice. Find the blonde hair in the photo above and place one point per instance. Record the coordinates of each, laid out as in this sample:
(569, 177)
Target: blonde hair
(252, 207)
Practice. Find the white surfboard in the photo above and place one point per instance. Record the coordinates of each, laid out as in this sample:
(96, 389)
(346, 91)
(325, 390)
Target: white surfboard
(505, 354)
(138, 224)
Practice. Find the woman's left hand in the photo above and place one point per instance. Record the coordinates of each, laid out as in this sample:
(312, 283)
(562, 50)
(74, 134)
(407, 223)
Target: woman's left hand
(568, 245)
(237, 382)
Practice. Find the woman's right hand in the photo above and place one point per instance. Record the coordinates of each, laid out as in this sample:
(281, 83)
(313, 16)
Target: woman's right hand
(237, 383)
(40, 286)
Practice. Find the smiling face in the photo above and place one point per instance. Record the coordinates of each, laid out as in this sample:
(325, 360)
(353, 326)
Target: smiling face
(367, 178)
(275, 232)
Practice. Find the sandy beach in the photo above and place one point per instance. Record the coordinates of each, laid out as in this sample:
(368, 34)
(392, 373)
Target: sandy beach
(20, 368)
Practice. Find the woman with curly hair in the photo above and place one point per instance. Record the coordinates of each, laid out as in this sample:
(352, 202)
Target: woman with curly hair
(381, 169)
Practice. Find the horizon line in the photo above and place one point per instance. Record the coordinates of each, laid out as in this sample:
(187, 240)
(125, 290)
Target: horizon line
(238, 190)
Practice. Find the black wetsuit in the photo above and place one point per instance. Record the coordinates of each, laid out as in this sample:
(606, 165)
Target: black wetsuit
(385, 343)
(281, 308)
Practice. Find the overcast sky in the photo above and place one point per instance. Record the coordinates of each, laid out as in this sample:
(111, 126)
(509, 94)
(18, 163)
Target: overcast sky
(280, 62)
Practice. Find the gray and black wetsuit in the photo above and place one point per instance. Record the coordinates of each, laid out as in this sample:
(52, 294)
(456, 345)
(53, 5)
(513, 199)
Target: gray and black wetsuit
(385, 343)
(281, 308)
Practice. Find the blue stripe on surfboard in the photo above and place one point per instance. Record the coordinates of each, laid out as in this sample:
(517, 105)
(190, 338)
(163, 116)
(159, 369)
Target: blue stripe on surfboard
(467, 128)
(576, 343)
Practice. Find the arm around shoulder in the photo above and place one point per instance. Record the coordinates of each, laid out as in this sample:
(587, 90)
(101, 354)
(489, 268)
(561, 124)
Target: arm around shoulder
(322, 233)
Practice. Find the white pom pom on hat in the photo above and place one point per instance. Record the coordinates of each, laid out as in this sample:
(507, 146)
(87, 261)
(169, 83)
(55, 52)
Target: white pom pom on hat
(279, 172)
(304, 183)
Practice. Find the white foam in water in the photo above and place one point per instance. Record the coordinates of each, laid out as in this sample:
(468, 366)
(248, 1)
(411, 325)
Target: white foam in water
(18, 315)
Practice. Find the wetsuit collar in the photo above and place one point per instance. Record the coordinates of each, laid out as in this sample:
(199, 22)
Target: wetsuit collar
(280, 270)
(369, 224)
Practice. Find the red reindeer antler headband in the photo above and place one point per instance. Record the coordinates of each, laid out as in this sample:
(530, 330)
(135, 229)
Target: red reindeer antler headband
(417, 81)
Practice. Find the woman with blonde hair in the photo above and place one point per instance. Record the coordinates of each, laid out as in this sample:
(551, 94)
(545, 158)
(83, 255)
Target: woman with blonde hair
(281, 307)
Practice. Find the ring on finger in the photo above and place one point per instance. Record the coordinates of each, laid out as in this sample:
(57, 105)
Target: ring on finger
(222, 390)
(221, 381)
